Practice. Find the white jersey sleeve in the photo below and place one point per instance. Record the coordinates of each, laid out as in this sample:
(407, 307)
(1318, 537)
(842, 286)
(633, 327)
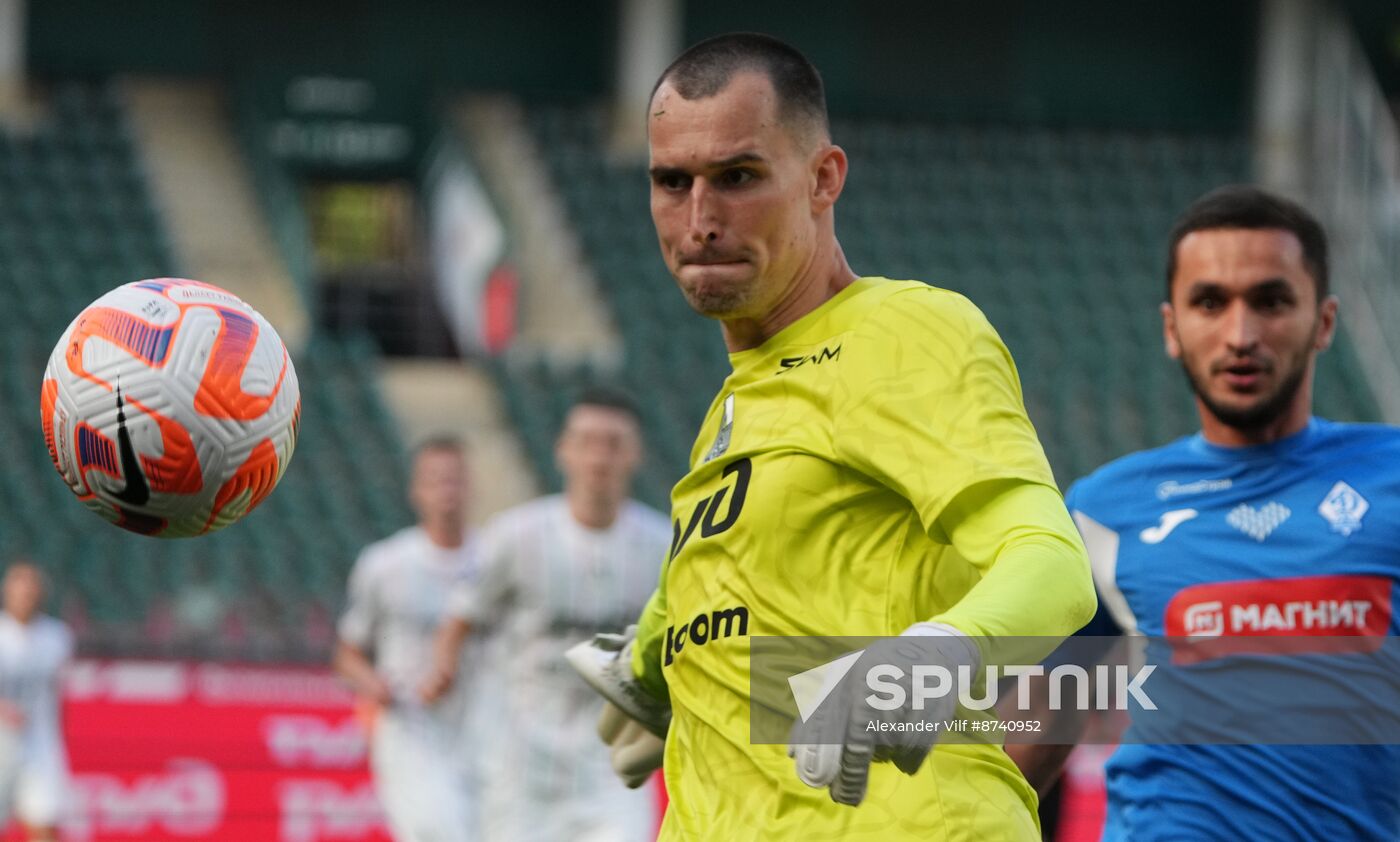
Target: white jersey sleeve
(485, 598)
(356, 626)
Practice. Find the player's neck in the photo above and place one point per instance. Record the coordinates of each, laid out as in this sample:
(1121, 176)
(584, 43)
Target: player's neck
(820, 281)
(593, 512)
(447, 534)
(23, 619)
(1290, 422)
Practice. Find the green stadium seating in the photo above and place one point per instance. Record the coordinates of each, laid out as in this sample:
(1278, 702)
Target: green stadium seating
(77, 219)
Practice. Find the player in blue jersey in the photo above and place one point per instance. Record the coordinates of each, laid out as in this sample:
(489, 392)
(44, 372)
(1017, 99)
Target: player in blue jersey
(1269, 521)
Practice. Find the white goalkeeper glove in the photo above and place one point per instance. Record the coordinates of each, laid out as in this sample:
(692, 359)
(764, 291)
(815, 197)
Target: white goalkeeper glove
(836, 744)
(635, 752)
(633, 723)
(605, 662)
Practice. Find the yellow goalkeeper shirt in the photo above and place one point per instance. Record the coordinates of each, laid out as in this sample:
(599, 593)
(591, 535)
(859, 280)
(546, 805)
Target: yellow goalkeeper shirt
(819, 502)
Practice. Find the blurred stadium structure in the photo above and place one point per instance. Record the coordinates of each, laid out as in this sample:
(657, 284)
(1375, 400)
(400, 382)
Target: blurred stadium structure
(1350, 170)
(443, 210)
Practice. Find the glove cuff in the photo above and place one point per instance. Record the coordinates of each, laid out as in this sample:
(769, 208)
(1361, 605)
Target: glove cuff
(973, 656)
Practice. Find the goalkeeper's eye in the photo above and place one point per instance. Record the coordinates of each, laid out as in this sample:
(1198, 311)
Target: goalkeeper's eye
(735, 177)
(671, 181)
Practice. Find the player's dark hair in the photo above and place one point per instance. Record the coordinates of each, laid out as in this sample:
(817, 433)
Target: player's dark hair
(1247, 206)
(706, 68)
(608, 397)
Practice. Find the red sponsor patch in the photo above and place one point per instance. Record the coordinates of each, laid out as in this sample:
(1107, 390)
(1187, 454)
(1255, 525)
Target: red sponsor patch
(1280, 616)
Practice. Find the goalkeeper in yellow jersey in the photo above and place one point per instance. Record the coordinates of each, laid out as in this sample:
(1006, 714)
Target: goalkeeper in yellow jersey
(867, 469)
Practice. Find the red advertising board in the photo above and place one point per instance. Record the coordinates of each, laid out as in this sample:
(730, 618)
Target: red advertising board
(164, 751)
(172, 752)
(1083, 802)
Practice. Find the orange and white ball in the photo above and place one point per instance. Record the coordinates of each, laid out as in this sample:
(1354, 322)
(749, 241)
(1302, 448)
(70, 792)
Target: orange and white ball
(170, 407)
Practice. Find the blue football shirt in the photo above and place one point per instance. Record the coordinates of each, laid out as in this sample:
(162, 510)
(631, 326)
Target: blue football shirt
(1299, 537)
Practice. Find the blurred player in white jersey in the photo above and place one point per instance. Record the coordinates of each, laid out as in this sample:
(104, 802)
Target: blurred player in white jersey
(34, 648)
(553, 569)
(398, 596)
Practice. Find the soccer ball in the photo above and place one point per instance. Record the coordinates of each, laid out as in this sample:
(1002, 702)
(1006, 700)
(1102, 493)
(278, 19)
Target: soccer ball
(170, 407)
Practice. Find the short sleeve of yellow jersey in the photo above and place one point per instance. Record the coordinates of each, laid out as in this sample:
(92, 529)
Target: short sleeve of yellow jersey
(930, 405)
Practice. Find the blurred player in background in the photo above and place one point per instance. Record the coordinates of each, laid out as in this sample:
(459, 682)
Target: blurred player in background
(867, 469)
(397, 598)
(553, 569)
(34, 649)
(1268, 506)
